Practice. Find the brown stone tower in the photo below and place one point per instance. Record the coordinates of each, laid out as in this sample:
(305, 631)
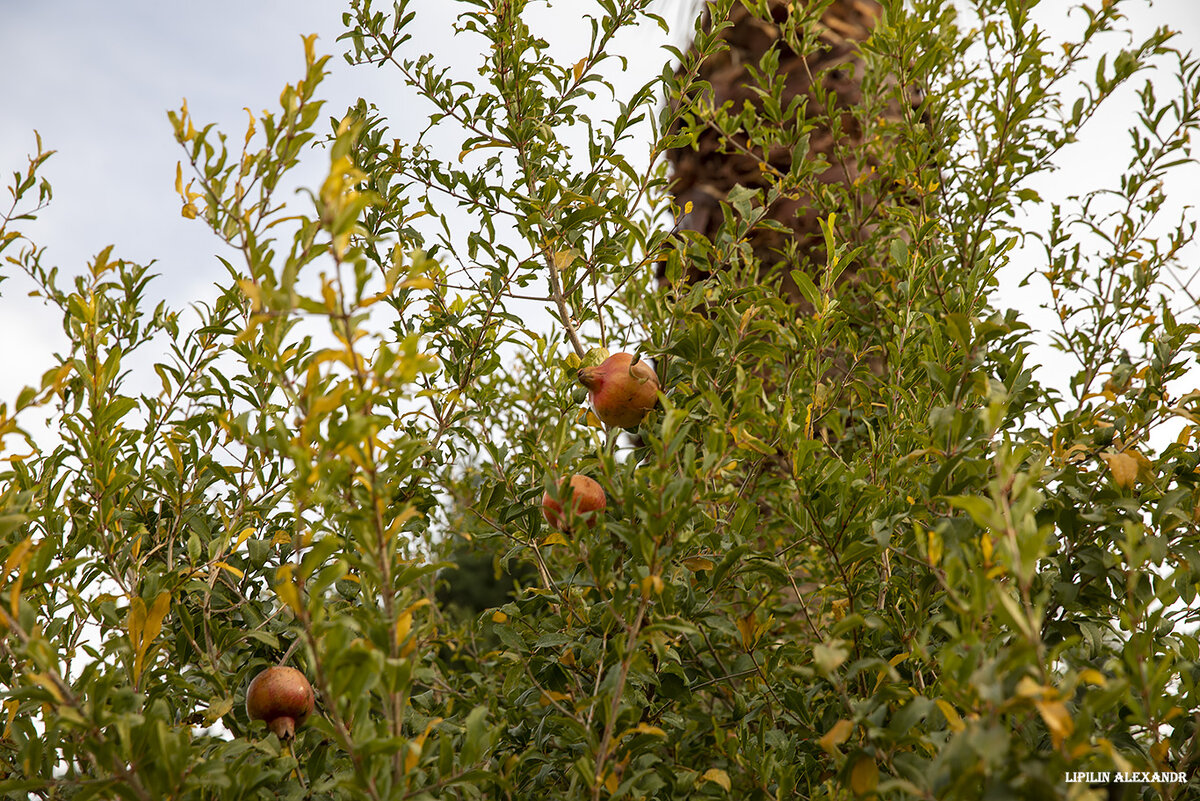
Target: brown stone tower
(829, 73)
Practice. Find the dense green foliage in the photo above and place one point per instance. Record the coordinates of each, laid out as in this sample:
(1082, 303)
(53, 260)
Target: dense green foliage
(855, 551)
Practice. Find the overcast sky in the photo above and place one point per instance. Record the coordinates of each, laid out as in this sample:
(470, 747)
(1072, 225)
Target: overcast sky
(96, 80)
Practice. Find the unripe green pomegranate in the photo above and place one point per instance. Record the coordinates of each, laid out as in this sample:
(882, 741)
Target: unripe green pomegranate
(587, 503)
(621, 390)
(282, 697)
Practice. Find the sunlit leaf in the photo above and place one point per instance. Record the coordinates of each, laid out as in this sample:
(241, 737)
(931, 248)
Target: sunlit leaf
(717, 776)
(837, 735)
(864, 776)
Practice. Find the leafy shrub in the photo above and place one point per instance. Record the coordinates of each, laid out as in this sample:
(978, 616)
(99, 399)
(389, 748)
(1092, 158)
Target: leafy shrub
(857, 550)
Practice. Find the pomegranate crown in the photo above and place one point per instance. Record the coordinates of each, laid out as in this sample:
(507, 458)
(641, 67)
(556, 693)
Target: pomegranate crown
(595, 375)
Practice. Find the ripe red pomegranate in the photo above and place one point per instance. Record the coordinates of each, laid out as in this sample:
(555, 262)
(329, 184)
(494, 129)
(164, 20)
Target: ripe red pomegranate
(621, 390)
(587, 500)
(282, 697)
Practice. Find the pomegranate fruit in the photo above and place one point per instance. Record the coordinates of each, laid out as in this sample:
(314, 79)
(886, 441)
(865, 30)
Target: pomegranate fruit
(621, 390)
(282, 697)
(586, 497)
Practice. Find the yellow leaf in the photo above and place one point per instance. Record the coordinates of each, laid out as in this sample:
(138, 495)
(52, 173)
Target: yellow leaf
(646, 728)
(18, 554)
(420, 282)
(217, 710)
(252, 291)
(405, 514)
(935, 547)
(135, 622)
(611, 783)
(285, 587)
(144, 626)
(1124, 468)
(985, 543)
(12, 705)
(884, 673)
(372, 300)
(154, 618)
(577, 70)
(1185, 436)
(746, 626)
(499, 617)
(415, 605)
(951, 714)
(1058, 720)
(403, 627)
(1092, 676)
(1028, 688)
(652, 585)
(595, 356)
(563, 259)
(329, 296)
(47, 682)
(555, 538)
(490, 143)
(836, 736)
(244, 535)
(864, 777)
(748, 441)
(417, 744)
(698, 563)
(250, 127)
(1145, 466)
(230, 568)
(550, 696)
(717, 776)
(413, 756)
(327, 402)
(1119, 761)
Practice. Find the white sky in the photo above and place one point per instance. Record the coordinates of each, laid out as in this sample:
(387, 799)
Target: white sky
(96, 80)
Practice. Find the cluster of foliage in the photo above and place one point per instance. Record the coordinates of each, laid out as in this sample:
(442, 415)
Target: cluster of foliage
(856, 552)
